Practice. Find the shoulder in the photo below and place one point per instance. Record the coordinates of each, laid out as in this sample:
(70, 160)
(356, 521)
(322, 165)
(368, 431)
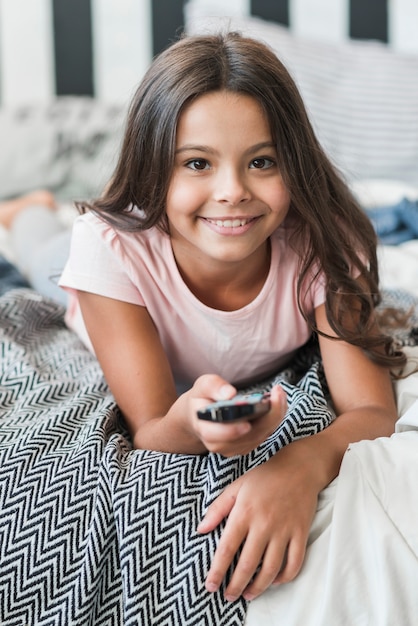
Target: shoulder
(113, 263)
(91, 230)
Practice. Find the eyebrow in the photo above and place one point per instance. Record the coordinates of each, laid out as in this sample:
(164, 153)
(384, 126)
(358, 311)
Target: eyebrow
(208, 149)
(194, 148)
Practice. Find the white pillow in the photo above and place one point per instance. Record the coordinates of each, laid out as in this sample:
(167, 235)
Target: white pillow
(382, 193)
(362, 96)
(68, 146)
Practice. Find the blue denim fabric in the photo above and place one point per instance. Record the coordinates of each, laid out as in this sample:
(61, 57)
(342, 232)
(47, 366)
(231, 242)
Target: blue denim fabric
(10, 277)
(397, 223)
(409, 215)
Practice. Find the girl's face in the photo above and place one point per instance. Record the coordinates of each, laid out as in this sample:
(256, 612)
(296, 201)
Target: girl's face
(226, 195)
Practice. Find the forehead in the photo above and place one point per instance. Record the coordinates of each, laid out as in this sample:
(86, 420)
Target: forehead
(223, 112)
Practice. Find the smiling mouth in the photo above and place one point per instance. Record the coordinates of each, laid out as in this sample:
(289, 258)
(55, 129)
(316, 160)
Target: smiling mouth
(230, 223)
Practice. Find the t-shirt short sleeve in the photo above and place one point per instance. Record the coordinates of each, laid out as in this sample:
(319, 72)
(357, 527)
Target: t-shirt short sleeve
(96, 262)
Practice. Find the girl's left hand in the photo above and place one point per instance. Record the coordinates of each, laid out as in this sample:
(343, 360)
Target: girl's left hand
(270, 525)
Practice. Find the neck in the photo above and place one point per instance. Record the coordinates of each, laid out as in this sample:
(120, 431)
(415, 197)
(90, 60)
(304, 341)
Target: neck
(227, 287)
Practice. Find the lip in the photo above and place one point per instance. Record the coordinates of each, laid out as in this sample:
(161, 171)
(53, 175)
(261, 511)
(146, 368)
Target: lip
(235, 225)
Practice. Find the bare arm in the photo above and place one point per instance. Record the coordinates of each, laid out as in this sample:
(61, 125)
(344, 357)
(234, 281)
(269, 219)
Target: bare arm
(271, 525)
(137, 370)
(363, 397)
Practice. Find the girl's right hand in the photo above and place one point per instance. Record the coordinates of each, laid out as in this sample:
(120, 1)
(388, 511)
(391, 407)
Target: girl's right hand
(234, 438)
(138, 373)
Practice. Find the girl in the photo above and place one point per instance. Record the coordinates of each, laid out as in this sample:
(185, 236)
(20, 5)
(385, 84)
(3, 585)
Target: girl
(223, 241)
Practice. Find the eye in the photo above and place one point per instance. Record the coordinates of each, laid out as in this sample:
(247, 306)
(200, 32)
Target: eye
(197, 164)
(261, 163)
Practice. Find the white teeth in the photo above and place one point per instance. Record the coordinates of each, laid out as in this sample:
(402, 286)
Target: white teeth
(230, 223)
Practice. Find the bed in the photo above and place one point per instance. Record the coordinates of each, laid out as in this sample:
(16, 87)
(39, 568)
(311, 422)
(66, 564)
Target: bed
(94, 532)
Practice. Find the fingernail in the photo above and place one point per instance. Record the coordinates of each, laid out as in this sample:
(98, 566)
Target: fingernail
(211, 587)
(201, 526)
(230, 598)
(226, 391)
(249, 596)
(244, 428)
(283, 402)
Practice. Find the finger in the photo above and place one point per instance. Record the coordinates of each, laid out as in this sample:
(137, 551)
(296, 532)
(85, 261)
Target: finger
(249, 561)
(274, 560)
(293, 562)
(264, 426)
(215, 433)
(278, 395)
(213, 386)
(229, 544)
(221, 563)
(218, 510)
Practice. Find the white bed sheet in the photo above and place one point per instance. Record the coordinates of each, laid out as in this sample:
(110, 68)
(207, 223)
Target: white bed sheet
(362, 561)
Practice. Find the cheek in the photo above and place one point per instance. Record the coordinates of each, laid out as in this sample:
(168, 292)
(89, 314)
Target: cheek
(171, 193)
(183, 197)
(280, 201)
(174, 201)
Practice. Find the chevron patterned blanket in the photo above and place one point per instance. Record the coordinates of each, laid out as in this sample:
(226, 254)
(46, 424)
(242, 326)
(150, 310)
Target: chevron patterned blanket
(92, 531)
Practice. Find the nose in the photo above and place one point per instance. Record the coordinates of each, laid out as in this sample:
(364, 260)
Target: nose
(231, 187)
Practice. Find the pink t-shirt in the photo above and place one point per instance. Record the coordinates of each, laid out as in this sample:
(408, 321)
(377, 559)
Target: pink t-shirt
(242, 346)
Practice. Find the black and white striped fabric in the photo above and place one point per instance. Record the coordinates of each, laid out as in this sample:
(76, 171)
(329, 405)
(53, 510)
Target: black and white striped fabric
(91, 531)
(101, 48)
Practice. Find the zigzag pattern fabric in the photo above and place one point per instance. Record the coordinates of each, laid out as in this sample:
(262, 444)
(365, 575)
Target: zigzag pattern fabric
(92, 531)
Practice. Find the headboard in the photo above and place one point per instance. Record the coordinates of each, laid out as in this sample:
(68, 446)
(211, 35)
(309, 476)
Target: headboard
(361, 96)
(101, 48)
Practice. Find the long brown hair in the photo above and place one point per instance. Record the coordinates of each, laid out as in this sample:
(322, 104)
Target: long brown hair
(336, 235)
